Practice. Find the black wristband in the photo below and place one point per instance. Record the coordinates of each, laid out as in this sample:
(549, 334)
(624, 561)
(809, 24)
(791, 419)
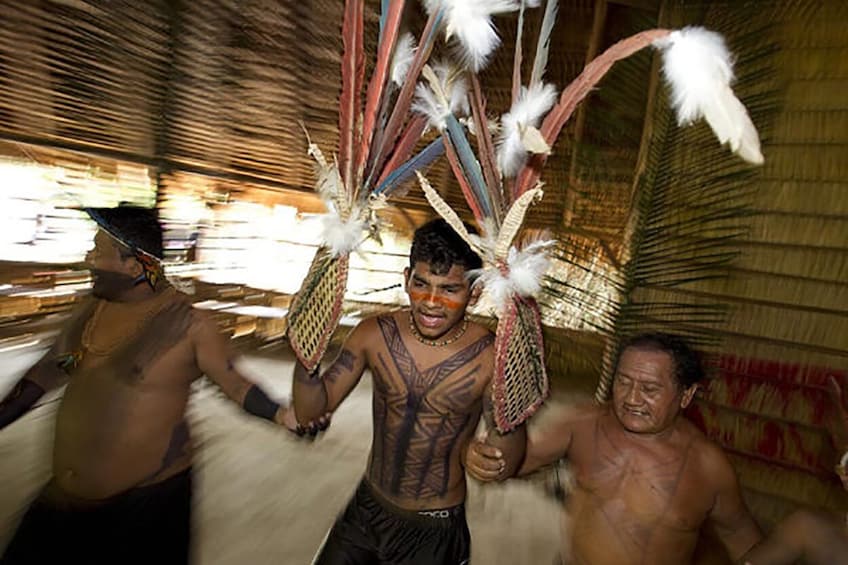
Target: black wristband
(257, 403)
(23, 396)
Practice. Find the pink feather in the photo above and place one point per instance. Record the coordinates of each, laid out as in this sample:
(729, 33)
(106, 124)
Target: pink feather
(353, 71)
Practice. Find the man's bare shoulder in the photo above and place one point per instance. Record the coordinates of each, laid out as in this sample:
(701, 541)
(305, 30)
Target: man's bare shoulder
(713, 462)
(476, 330)
(201, 320)
(369, 327)
(572, 414)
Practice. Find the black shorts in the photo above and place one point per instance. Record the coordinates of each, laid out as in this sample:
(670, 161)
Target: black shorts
(373, 531)
(145, 525)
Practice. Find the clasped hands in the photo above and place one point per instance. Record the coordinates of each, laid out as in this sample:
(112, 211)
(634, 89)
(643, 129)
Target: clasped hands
(484, 462)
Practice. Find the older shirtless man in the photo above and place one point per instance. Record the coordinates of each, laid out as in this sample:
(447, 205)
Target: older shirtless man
(121, 486)
(646, 479)
(816, 537)
(432, 372)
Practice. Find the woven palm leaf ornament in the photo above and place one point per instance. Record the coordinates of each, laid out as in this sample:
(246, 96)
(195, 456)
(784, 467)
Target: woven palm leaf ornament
(375, 157)
(501, 181)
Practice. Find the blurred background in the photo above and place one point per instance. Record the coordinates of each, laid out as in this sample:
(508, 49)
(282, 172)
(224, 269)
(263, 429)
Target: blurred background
(194, 107)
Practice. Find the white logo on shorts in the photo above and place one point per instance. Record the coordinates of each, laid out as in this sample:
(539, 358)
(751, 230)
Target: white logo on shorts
(436, 514)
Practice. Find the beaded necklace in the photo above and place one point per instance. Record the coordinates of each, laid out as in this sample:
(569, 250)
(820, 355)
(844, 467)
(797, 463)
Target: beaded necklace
(436, 342)
(88, 343)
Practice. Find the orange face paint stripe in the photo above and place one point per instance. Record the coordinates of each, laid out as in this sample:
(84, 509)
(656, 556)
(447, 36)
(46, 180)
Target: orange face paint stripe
(441, 300)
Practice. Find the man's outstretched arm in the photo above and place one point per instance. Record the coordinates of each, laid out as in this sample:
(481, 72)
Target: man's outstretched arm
(215, 357)
(51, 371)
(544, 445)
(316, 394)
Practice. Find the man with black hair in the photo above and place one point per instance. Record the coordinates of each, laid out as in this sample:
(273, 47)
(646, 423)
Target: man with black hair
(432, 372)
(121, 485)
(645, 479)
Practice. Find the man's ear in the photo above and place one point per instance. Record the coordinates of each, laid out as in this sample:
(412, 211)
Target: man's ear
(476, 291)
(688, 395)
(406, 279)
(136, 268)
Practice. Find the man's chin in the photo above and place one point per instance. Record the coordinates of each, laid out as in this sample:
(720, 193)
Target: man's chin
(109, 286)
(431, 327)
(634, 423)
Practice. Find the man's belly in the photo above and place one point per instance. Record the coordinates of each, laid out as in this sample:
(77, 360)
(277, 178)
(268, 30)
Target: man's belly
(421, 490)
(604, 532)
(101, 452)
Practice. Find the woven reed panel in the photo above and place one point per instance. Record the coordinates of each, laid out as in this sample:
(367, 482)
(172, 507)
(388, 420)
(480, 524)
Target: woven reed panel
(90, 73)
(785, 289)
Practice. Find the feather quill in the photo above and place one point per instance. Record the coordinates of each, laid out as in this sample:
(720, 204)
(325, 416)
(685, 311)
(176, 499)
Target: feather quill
(384, 10)
(404, 99)
(532, 105)
(404, 53)
(699, 70)
(446, 94)
(404, 148)
(470, 21)
(406, 171)
(540, 62)
(353, 69)
(517, 57)
(470, 165)
(462, 180)
(382, 68)
(485, 145)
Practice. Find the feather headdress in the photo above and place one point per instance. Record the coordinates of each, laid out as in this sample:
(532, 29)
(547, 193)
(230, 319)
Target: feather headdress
(698, 66)
(377, 137)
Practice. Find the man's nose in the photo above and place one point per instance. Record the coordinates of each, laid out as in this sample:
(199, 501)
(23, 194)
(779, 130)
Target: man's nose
(431, 298)
(633, 397)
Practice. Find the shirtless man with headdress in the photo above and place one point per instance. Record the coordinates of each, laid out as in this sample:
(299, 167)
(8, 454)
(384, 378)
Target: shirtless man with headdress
(432, 372)
(646, 479)
(815, 537)
(121, 485)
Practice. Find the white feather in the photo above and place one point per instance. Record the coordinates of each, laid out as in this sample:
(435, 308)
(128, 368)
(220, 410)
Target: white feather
(402, 59)
(532, 105)
(448, 96)
(342, 236)
(470, 21)
(699, 69)
(523, 274)
(329, 183)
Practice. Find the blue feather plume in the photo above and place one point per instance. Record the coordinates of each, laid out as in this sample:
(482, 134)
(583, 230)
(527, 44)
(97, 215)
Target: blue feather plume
(406, 171)
(470, 165)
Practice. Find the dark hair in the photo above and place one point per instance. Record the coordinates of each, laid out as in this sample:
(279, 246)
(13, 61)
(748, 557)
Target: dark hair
(687, 363)
(437, 244)
(138, 227)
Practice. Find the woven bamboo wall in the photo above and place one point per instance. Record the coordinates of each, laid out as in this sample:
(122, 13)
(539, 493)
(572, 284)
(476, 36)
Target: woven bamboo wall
(783, 328)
